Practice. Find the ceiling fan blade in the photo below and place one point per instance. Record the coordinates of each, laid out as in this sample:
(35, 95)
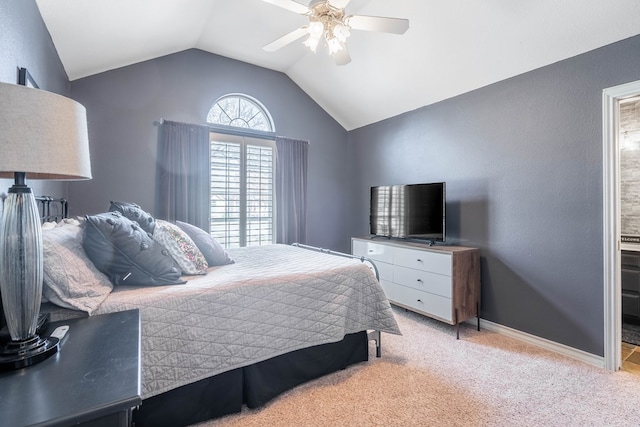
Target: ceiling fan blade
(342, 56)
(290, 5)
(286, 39)
(340, 4)
(377, 23)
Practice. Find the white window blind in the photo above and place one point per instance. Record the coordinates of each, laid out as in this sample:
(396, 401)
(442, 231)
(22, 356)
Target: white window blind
(242, 190)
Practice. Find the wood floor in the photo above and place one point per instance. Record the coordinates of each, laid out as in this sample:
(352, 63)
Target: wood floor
(631, 358)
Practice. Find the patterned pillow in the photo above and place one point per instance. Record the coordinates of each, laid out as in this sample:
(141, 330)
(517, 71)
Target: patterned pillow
(181, 248)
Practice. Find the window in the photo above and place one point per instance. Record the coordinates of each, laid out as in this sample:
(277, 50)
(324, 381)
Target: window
(240, 111)
(242, 175)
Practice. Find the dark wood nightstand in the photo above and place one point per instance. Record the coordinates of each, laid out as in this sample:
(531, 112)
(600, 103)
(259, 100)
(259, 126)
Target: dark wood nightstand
(94, 380)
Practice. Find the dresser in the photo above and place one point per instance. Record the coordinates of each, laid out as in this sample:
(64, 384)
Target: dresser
(441, 282)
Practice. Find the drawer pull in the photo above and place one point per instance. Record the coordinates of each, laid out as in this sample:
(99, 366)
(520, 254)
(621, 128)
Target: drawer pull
(420, 281)
(418, 260)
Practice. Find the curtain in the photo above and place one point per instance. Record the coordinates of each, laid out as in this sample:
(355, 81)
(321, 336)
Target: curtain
(291, 190)
(182, 184)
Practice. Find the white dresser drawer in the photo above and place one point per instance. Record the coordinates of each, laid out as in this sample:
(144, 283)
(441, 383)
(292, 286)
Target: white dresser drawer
(423, 260)
(423, 280)
(433, 305)
(375, 251)
(385, 271)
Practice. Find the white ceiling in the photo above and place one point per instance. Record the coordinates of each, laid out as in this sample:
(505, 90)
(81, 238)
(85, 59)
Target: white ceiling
(451, 47)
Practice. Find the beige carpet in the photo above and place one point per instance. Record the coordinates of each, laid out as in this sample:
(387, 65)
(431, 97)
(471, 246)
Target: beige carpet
(428, 378)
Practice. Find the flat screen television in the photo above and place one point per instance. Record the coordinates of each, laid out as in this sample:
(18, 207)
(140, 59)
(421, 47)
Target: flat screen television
(412, 211)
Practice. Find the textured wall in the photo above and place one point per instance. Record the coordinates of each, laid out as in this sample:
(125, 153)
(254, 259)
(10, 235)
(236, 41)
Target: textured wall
(25, 42)
(123, 104)
(522, 159)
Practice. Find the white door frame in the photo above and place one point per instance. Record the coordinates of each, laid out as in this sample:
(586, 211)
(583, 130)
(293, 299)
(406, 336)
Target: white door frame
(611, 222)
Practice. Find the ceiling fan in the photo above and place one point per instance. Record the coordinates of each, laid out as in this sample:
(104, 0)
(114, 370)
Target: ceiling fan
(328, 21)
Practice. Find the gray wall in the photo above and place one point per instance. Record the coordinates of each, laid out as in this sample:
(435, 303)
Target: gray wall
(123, 104)
(522, 159)
(25, 42)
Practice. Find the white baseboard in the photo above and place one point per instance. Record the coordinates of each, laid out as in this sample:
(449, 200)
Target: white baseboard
(565, 350)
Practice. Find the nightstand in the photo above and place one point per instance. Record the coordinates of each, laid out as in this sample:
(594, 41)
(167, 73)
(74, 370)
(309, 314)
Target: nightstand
(94, 380)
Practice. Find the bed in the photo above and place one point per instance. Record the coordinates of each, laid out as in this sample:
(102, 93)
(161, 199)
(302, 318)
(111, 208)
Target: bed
(241, 334)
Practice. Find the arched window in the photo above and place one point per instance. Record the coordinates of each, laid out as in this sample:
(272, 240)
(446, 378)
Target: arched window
(242, 174)
(240, 111)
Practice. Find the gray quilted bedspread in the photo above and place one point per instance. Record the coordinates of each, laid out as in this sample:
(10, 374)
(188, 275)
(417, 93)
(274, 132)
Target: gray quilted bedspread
(272, 300)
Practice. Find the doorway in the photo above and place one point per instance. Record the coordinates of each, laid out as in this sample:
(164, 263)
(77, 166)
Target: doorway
(612, 222)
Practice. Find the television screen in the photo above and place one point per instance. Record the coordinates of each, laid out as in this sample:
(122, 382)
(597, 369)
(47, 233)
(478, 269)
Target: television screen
(412, 211)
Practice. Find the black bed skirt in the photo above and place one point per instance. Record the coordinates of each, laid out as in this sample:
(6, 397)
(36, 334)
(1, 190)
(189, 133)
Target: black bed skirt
(253, 385)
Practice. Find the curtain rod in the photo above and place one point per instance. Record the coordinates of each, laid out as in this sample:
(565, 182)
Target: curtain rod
(229, 130)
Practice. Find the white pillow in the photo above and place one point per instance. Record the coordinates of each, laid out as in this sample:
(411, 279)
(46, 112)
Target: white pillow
(48, 225)
(181, 247)
(70, 278)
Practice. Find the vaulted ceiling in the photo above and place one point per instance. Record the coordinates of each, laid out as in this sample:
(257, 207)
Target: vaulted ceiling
(451, 47)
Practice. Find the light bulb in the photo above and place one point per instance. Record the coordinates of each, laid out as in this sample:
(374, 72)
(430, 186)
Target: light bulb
(341, 32)
(334, 45)
(316, 28)
(312, 43)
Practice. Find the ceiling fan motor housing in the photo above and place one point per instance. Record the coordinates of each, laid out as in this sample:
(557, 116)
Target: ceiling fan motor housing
(329, 16)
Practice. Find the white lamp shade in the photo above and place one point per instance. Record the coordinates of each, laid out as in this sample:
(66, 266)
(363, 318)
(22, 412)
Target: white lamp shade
(42, 134)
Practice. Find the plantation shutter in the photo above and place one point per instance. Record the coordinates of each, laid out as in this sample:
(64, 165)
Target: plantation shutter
(242, 190)
(259, 222)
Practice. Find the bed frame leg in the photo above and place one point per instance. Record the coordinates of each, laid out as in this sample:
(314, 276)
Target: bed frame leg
(375, 336)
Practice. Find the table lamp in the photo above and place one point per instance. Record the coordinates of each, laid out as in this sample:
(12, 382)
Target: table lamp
(42, 136)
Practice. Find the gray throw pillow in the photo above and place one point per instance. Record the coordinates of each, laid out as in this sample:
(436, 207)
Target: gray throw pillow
(127, 254)
(212, 250)
(135, 213)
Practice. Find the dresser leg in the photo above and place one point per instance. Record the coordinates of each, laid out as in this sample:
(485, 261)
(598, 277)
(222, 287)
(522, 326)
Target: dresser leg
(455, 319)
(478, 314)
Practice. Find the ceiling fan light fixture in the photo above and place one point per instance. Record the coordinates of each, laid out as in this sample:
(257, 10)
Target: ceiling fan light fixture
(316, 29)
(341, 32)
(328, 22)
(327, 19)
(312, 43)
(334, 45)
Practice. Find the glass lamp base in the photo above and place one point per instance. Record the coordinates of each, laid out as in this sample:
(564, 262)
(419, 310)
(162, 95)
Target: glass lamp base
(20, 354)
